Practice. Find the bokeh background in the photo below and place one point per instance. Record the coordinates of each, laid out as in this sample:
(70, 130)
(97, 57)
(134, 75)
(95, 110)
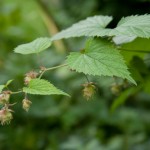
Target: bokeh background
(59, 122)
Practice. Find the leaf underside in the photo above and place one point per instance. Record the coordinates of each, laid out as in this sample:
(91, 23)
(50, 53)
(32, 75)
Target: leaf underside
(42, 87)
(100, 57)
(132, 26)
(36, 46)
(92, 26)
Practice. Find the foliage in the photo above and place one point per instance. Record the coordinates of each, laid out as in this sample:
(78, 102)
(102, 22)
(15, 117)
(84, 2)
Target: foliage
(92, 26)
(36, 46)
(42, 87)
(72, 123)
(134, 26)
(99, 58)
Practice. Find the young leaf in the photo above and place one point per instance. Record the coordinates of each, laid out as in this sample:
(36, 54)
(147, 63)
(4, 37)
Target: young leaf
(100, 57)
(42, 87)
(134, 26)
(92, 26)
(36, 46)
(8, 82)
(1, 88)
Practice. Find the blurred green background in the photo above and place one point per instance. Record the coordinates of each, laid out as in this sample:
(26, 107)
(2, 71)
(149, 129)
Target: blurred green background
(59, 122)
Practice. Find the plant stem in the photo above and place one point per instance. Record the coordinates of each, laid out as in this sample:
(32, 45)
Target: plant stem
(17, 92)
(138, 51)
(52, 68)
(87, 78)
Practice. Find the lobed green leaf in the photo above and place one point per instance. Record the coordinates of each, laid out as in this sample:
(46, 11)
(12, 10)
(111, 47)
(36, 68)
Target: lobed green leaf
(100, 57)
(36, 46)
(134, 26)
(42, 87)
(92, 26)
(8, 82)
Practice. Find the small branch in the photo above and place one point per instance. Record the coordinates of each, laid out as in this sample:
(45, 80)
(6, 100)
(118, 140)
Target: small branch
(17, 92)
(138, 51)
(52, 68)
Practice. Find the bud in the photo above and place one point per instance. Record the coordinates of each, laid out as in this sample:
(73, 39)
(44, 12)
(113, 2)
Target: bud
(27, 80)
(89, 90)
(42, 69)
(26, 104)
(29, 76)
(5, 116)
(115, 89)
(4, 97)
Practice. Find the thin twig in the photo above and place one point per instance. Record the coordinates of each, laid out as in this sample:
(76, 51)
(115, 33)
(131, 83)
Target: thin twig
(138, 51)
(51, 68)
(17, 92)
(87, 78)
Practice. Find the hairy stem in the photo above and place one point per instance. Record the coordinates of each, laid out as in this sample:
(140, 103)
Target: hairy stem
(17, 92)
(130, 50)
(51, 68)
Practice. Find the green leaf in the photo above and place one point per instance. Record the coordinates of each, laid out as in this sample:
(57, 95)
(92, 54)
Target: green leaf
(1, 88)
(134, 26)
(8, 82)
(4, 86)
(92, 26)
(100, 57)
(139, 47)
(42, 87)
(36, 46)
(139, 44)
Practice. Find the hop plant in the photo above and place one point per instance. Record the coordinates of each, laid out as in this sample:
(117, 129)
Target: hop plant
(5, 115)
(29, 76)
(89, 61)
(4, 97)
(89, 90)
(26, 104)
(116, 89)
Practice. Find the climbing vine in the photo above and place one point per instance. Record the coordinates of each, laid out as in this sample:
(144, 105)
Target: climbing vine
(101, 56)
